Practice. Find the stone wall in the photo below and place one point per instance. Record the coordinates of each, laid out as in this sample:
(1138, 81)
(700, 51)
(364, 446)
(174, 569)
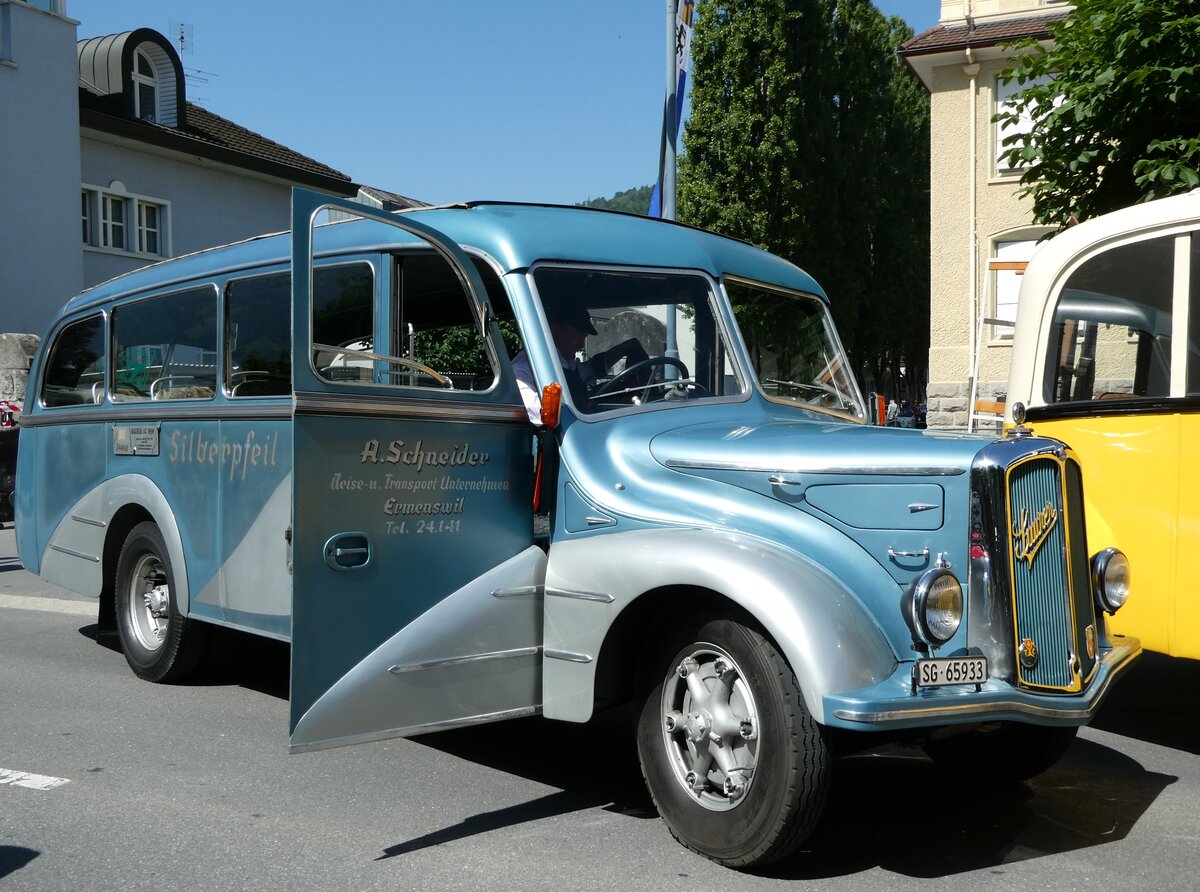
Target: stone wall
(947, 404)
(16, 353)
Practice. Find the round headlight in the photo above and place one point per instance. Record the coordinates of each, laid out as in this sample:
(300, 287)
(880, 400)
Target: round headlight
(1110, 579)
(937, 605)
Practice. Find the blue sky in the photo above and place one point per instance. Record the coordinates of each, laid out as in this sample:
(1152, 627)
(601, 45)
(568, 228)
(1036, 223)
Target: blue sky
(524, 100)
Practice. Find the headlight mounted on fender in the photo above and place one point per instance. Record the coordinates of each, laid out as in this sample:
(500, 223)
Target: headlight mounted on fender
(936, 606)
(1110, 579)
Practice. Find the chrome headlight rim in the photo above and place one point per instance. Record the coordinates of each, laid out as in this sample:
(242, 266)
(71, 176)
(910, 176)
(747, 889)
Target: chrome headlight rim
(1102, 563)
(919, 605)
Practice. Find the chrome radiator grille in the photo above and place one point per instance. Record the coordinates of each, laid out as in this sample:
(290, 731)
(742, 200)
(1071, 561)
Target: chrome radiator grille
(1053, 617)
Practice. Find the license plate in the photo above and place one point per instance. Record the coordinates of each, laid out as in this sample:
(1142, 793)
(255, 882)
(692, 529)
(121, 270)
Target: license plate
(951, 670)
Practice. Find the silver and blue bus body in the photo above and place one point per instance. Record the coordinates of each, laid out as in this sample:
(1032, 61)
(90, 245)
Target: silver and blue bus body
(310, 474)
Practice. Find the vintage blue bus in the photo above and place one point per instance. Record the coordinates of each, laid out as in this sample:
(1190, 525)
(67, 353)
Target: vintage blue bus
(328, 437)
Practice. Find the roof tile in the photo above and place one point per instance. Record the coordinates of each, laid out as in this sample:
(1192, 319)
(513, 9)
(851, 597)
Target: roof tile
(941, 38)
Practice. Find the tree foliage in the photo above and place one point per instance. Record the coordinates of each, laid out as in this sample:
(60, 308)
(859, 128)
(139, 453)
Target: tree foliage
(1117, 108)
(632, 201)
(809, 137)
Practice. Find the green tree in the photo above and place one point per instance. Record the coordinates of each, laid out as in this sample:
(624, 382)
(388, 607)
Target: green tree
(809, 137)
(632, 201)
(1117, 105)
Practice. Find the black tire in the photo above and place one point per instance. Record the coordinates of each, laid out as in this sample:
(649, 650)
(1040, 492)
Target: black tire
(1002, 754)
(160, 643)
(783, 769)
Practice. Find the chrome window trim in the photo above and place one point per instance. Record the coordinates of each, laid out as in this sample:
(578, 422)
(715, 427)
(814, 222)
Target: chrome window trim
(174, 410)
(319, 403)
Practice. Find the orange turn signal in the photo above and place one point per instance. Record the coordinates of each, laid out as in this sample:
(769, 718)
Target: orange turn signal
(551, 404)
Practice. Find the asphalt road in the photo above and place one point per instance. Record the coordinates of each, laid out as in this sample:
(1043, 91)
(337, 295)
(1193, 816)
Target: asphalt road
(107, 782)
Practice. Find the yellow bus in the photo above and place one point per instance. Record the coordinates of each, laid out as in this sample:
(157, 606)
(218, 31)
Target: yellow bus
(1106, 356)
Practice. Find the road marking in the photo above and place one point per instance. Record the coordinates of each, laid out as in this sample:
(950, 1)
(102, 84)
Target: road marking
(32, 781)
(49, 605)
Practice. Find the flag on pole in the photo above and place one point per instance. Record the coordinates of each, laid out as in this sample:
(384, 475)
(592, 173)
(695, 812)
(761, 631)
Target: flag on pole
(672, 116)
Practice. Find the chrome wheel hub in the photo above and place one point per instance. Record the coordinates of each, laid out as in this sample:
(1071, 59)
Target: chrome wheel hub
(710, 727)
(149, 602)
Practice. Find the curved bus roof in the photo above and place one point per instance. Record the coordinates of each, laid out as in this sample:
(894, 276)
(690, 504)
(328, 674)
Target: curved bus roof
(514, 235)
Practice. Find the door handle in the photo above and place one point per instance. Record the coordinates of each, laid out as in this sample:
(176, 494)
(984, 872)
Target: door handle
(348, 551)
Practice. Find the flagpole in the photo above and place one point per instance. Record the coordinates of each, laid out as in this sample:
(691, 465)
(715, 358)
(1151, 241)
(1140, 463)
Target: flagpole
(670, 119)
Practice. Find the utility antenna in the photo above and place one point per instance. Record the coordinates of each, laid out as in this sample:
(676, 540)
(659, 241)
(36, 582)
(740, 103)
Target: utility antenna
(185, 42)
(184, 37)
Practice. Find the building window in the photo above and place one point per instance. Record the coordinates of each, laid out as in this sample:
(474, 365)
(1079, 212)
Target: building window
(145, 88)
(1004, 93)
(1006, 266)
(114, 220)
(5, 49)
(149, 217)
(87, 213)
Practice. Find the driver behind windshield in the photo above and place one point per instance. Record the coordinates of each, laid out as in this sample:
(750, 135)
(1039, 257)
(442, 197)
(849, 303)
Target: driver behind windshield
(569, 327)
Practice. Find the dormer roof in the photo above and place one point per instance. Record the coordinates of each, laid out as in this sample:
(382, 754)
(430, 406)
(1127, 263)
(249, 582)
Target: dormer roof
(110, 71)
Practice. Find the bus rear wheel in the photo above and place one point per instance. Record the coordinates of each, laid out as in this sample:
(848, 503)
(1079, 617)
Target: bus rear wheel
(735, 763)
(160, 643)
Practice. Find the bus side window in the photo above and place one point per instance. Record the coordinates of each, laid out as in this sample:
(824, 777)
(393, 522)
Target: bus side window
(75, 370)
(258, 336)
(1112, 326)
(344, 317)
(436, 327)
(165, 347)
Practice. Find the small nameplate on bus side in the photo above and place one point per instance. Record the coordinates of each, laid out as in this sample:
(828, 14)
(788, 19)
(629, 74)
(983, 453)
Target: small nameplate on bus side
(135, 439)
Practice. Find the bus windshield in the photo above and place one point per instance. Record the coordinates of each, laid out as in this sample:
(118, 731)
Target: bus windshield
(794, 348)
(633, 339)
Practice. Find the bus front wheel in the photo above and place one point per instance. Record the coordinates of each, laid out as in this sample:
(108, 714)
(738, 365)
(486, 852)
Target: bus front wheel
(160, 643)
(735, 763)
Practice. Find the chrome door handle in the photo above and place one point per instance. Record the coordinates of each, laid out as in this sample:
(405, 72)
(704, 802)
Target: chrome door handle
(348, 551)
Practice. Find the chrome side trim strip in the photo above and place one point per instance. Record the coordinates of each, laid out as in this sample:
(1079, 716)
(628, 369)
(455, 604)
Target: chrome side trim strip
(517, 592)
(1118, 659)
(599, 597)
(78, 554)
(89, 521)
(160, 411)
(468, 658)
(413, 730)
(311, 403)
(801, 468)
(569, 656)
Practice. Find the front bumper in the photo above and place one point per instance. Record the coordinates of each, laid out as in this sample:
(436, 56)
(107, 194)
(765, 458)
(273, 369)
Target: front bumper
(893, 705)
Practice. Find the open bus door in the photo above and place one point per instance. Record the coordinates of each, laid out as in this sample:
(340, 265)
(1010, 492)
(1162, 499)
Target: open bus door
(416, 587)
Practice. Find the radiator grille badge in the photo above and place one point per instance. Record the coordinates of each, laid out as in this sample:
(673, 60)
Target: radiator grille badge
(1028, 654)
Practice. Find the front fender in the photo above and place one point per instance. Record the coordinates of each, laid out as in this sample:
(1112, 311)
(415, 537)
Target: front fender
(831, 642)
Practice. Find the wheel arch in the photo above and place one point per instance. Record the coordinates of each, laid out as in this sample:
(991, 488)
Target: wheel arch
(98, 524)
(828, 637)
(119, 527)
(629, 640)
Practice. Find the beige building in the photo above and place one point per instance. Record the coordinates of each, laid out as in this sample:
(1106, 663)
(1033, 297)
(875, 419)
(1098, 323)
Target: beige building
(981, 233)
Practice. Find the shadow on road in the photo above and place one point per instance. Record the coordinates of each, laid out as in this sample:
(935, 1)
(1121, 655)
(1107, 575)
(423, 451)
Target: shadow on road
(1095, 795)
(13, 858)
(234, 658)
(1156, 702)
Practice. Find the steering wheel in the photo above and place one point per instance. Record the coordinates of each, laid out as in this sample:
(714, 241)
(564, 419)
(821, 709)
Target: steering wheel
(617, 382)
